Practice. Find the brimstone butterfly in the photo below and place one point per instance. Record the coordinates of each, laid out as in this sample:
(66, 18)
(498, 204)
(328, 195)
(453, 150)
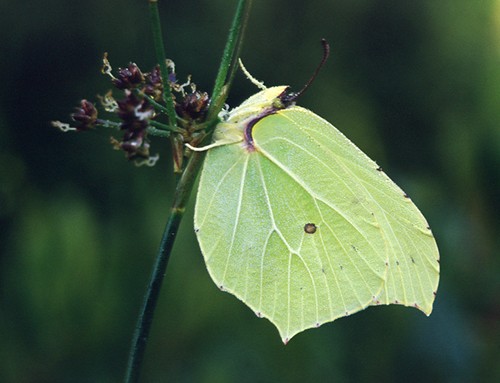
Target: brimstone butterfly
(297, 222)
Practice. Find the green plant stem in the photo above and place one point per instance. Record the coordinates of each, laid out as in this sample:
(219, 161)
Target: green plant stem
(150, 99)
(166, 128)
(160, 56)
(229, 58)
(152, 131)
(183, 191)
(141, 334)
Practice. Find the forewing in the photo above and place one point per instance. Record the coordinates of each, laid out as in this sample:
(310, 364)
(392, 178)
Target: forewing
(335, 171)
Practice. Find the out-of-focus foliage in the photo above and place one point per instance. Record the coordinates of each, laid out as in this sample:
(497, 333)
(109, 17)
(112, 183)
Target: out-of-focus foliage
(415, 84)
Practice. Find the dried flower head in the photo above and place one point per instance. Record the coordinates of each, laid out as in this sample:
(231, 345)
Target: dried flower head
(135, 114)
(129, 78)
(153, 84)
(193, 106)
(85, 116)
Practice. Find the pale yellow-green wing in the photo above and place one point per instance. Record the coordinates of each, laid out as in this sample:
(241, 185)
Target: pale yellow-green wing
(304, 229)
(410, 246)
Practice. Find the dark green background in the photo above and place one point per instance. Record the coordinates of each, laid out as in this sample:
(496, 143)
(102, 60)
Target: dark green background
(415, 84)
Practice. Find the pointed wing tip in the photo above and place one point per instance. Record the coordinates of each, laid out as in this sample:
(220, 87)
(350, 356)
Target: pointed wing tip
(427, 310)
(285, 338)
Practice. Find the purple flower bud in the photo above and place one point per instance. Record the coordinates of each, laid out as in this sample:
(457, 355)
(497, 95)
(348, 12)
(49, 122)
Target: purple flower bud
(154, 84)
(135, 114)
(129, 78)
(193, 106)
(85, 115)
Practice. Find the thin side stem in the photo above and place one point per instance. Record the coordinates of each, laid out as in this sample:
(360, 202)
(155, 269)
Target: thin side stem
(150, 99)
(158, 132)
(165, 127)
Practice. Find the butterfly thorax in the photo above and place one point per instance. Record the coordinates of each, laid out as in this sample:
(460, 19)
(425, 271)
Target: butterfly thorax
(237, 124)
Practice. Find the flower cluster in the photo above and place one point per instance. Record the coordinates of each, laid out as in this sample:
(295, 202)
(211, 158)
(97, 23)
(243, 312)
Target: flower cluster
(193, 106)
(140, 110)
(150, 83)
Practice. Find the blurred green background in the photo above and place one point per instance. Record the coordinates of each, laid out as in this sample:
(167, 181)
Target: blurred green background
(415, 84)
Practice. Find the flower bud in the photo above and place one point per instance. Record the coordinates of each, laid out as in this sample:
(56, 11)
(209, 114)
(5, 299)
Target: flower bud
(193, 106)
(85, 115)
(154, 84)
(129, 78)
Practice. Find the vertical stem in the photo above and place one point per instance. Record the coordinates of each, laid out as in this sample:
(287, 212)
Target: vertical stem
(239, 42)
(160, 56)
(229, 57)
(183, 188)
(167, 96)
(141, 334)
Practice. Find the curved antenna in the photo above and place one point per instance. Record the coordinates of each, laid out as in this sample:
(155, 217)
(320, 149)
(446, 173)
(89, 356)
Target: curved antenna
(326, 52)
(253, 80)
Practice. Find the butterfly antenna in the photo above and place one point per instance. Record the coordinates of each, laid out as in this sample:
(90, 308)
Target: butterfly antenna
(326, 53)
(253, 80)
